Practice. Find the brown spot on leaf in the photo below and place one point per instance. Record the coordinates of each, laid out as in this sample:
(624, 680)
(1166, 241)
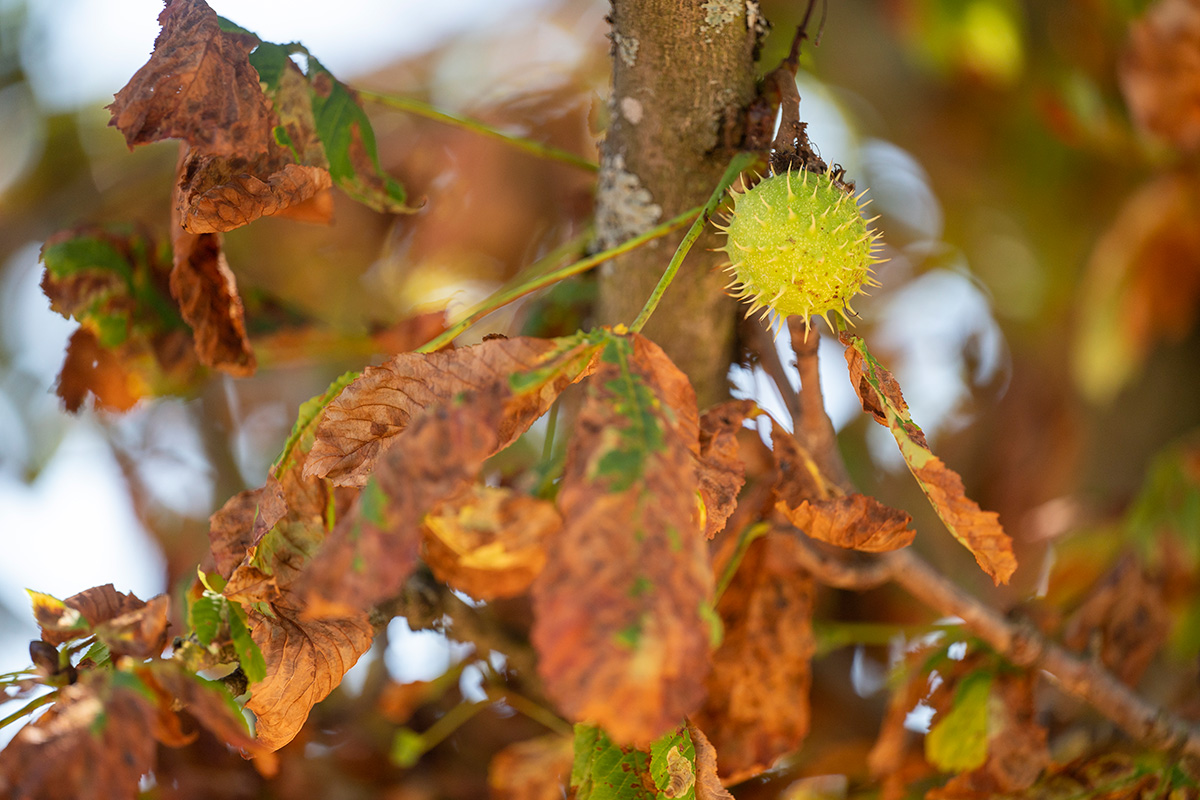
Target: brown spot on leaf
(197, 86)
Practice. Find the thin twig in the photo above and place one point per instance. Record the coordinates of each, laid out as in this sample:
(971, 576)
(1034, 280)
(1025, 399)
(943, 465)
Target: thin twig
(739, 162)
(1020, 644)
(763, 344)
(475, 126)
(813, 426)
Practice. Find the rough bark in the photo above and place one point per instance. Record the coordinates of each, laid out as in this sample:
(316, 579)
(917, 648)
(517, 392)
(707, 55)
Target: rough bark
(683, 70)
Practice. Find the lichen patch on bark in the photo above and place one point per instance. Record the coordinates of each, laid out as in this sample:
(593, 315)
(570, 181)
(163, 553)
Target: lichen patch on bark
(632, 110)
(721, 12)
(625, 208)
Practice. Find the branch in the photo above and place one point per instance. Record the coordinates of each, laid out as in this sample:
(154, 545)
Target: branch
(814, 426)
(1020, 644)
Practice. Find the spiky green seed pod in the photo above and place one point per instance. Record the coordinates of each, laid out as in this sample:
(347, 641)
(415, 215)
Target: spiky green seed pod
(798, 245)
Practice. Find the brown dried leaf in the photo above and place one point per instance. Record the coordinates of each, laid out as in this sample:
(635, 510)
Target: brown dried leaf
(855, 521)
(92, 744)
(242, 522)
(90, 368)
(758, 708)
(489, 542)
(708, 785)
(980, 531)
(306, 660)
(1124, 618)
(373, 550)
(218, 194)
(721, 470)
(820, 509)
(618, 626)
(140, 633)
(208, 701)
(96, 606)
(197, 86)
(131, 342)
(977, 530)
(1160, 72)
(204, 287)
(535, 769)
(372, 412)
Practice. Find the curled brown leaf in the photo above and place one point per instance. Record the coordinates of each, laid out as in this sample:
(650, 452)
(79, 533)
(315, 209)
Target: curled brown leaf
(489, 541)
(197, 86)
(306, 660)
(368, 416)
(218, 194)
(721, 470)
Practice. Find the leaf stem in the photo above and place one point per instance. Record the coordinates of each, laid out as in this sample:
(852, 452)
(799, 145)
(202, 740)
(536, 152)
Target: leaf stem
(540, 280)
(419, 108)
(29, 708)
(739, 163)
(745, 539)
(449, 722)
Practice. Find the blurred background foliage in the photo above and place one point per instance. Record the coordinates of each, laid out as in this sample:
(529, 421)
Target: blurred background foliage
(1041, 214)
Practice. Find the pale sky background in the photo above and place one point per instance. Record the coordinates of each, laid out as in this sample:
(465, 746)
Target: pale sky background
(87, 49)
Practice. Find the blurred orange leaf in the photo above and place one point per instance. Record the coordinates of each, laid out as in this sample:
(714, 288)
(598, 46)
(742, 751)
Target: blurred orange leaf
(535, 769)
(489, 541)
(1160, 73)
(757, 708)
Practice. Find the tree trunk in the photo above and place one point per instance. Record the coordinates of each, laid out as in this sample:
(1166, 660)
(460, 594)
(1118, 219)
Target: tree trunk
(683, 70)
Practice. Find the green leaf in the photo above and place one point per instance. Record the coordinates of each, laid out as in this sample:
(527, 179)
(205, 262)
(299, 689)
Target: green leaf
(603, 771)
(673, 765)
(407, 747)
(98, 653)
(251, 658)
(205, 617)
(349, 141)
(958, 742)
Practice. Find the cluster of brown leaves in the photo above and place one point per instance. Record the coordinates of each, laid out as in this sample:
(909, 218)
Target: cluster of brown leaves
(246, 153)
(98, 738)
